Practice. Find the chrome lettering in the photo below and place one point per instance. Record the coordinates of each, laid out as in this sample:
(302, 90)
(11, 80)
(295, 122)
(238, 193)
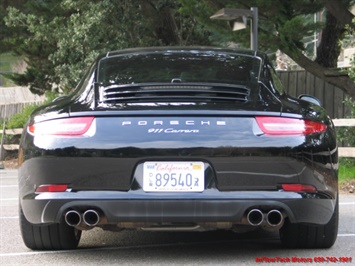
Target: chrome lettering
(184, 131)
(174, 123)
(155, 130)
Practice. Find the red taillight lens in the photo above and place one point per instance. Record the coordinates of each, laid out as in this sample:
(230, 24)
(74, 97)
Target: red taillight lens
(52, 188)
(73, 126)
(288, 126)
(298, 188)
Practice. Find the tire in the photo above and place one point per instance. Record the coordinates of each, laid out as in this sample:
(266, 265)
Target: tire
(310, 235)
(48, 237)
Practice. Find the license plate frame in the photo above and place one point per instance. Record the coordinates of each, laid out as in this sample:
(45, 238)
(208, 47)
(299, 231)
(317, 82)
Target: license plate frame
(173, 176)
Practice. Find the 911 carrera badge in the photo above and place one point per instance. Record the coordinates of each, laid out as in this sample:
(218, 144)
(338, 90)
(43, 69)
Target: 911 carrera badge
(172, 130)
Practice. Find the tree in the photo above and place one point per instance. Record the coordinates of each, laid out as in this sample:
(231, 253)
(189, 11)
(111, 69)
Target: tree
(4, 31)
(60, 39)
(23, 38)
(347, 134)
(349, 41)
(282, 25)
(340, 10)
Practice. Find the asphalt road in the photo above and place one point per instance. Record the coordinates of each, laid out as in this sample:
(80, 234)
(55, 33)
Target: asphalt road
(165, 248)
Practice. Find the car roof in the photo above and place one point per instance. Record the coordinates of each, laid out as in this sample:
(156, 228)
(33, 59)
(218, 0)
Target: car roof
(163, 49)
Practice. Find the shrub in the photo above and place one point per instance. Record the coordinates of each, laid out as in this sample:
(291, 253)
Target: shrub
(346, 135)
(20, 119)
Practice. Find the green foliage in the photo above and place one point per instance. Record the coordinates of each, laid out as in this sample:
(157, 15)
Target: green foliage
(20, 119)
(347, 134)
(351, 70)
(346, 170)
(6, 62)
(60, 39)
(349, 41)
(281, 23)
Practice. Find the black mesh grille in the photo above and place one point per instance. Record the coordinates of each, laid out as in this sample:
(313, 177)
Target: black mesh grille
(173, 93)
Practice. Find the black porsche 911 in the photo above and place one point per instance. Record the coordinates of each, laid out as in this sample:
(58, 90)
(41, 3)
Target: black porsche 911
(179, 138)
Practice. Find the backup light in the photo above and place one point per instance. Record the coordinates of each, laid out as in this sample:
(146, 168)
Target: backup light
(73, 126)
(288, 126)
(298, 188)
(52, 188)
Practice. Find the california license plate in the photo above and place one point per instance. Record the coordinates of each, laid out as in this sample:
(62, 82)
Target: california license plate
(173, 177)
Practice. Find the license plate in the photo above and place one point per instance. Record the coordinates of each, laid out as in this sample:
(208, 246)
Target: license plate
(173, 177)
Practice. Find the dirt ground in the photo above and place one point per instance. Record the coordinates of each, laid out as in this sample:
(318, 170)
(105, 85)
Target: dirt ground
(346, 187)
(10, 164)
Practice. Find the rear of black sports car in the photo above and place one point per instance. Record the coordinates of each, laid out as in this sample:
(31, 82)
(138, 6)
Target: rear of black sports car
(183, 139)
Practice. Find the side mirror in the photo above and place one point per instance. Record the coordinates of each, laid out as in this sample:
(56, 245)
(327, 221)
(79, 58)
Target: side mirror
(310, 99)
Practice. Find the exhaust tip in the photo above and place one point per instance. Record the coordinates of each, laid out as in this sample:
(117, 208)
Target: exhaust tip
(255, 217)
(274, 218)
(72, 218)
(91, 217)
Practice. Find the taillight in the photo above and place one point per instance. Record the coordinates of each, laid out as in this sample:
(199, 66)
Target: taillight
(52, 188)
(72, 126)
(288, 126)
(298, 188)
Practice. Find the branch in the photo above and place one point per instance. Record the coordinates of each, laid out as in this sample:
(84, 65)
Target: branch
(340, 12)
(334, 77)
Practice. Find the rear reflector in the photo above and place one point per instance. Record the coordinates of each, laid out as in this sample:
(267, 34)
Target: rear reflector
(72, 126)
(288, 126)
(52, 188)
(298, 188)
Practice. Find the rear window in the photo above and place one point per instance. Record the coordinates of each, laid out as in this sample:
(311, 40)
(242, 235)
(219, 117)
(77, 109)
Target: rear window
(178, 67)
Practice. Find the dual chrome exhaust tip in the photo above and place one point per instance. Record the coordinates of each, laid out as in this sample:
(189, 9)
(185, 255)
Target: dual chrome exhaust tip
(90, 218)
(273, 218)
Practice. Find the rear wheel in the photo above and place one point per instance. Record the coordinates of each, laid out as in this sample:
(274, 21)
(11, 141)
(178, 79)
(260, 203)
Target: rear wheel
(48, 237)
(311, 236)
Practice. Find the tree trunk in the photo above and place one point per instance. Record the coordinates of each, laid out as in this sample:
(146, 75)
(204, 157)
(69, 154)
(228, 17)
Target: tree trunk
(339, 10)
(328, 50)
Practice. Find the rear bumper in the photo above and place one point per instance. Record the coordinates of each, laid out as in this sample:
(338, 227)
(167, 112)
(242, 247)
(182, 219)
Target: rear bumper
(172, 208)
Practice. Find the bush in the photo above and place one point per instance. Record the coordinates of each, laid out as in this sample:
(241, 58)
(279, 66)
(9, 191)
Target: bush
(346, 135)
(20, 119)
